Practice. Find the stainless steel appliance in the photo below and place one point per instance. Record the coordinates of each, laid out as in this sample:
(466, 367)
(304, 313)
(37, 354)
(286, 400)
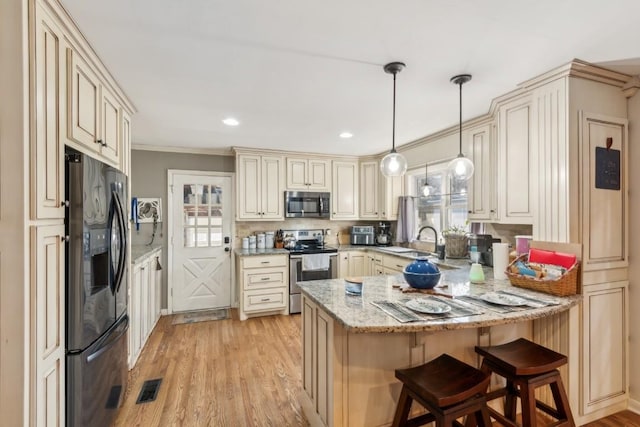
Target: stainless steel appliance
(309, 259)
(306, 204)
(363, 235)
(482, 244)
(383, 235)
(96, 290)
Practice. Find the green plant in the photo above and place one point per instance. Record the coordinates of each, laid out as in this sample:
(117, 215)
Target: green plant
(455, 230)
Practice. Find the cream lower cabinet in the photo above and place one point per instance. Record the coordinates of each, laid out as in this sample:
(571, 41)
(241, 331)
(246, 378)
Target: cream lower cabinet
(144, 302)
(48, 305)
(605, 351)
(344, 190)
(352, 264)
(260, 187)
(393, 264)
(263, 285)
(375, 267)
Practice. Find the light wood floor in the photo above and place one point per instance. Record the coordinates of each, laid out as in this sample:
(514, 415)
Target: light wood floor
(232, 373)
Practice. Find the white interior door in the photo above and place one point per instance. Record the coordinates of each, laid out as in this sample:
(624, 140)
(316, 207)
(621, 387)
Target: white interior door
(200, 226)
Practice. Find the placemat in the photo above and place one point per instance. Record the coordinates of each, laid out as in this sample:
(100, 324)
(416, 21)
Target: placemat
(401, 313)
(493, 307)
(533, 300)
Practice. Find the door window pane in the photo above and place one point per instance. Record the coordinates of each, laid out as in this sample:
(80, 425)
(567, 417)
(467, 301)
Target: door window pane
(202, 215)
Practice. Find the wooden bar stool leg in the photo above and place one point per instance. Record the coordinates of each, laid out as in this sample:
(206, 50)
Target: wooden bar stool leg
(561, 400)
(511, 401)
(527, 398)
(403, 408)
(482, 418)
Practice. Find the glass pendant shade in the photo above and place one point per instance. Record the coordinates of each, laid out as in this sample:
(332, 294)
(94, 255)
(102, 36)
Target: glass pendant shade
(460, 168)
(427, 190)
(393, 164)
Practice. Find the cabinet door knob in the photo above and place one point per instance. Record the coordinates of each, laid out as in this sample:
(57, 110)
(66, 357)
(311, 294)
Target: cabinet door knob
(227, 249)
(469, 211)
(64, 238)
(64, 204)
(492, 211)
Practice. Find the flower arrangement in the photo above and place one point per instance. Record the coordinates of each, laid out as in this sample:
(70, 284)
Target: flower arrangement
(455, 241)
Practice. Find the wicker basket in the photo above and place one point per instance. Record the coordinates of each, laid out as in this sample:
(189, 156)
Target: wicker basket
(455, 245)
(567, 284)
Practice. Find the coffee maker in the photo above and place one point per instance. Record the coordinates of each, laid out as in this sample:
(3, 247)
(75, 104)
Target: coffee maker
(383, 234)
(481, 248)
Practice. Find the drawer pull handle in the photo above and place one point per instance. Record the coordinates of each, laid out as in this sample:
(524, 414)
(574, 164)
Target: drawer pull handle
(265, 278)
(264, 299)
(265, 262)
(399, 266)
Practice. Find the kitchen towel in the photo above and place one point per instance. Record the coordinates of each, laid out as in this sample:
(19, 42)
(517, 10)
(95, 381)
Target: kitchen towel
(500, 260)
(315, 262)
(406, 226)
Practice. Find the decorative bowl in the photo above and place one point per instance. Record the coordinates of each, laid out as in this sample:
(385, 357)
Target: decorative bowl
(422, 274)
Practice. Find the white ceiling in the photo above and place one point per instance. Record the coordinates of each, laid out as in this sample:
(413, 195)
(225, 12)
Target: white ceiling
(296, 73)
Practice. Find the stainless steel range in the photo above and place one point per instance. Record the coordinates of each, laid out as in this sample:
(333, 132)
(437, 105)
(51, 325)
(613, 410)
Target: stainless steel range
(309, 259)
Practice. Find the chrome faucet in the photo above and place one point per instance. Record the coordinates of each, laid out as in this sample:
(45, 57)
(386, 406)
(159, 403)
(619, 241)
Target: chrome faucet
(435, 233)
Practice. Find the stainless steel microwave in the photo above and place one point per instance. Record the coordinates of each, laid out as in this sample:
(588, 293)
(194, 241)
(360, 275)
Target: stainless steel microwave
(306, 204)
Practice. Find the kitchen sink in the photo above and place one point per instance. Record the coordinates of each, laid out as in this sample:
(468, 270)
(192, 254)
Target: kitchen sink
(432, 258)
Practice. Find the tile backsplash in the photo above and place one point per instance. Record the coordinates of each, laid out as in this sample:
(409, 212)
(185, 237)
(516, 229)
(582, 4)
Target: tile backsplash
(332, 228)
(508, 232)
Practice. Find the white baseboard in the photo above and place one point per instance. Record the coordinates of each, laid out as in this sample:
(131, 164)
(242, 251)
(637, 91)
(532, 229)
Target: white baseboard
(164, 312)
(634, 406)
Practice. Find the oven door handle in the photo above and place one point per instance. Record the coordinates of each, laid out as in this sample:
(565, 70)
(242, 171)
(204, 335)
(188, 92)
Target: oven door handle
(333, 254)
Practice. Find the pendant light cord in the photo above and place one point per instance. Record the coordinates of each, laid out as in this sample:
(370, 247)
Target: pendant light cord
(393, 125)
(460, 85)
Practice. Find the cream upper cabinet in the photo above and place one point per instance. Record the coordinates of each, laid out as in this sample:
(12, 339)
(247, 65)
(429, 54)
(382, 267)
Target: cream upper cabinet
(93, 116)
(260, 184)
(344, 193)
(390, 190)
(308, 174)
(481, 186)
(109, 126)
(369, 204)
(83, 103)
(48, 154)
(378, 194)
(125, 135)
(515, 197)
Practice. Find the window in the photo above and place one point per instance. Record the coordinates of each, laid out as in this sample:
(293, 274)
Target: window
(445, 206)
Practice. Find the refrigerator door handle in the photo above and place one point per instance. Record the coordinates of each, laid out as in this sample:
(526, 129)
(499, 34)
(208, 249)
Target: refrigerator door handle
(123, 239)
(110, 339)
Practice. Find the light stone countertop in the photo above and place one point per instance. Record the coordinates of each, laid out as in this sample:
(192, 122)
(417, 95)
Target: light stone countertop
(252, 252)
(358, 315)
(140, 252)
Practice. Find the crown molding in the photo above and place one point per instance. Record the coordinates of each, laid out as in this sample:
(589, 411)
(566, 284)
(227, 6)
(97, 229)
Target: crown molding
(305, 154)
(631, 87)
(184, 150)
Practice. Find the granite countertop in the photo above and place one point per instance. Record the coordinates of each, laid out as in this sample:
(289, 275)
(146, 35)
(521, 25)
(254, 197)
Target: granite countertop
(251, 252)
(140, 252)
(358, 315)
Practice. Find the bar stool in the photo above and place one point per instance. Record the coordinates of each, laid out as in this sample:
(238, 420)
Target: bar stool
(526, 366)
(447, 388)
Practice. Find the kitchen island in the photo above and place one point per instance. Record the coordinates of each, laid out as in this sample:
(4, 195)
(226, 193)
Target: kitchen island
(351, 347)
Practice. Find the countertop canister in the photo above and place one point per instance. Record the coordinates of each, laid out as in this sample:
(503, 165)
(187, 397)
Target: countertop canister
(500, 260)
(260, 239)
(269, 239)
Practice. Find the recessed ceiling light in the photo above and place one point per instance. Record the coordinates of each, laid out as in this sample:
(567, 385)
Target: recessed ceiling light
(346, 135)
(230, 121)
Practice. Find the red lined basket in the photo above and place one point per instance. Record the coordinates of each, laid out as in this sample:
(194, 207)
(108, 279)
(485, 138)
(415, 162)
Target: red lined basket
(565, 285)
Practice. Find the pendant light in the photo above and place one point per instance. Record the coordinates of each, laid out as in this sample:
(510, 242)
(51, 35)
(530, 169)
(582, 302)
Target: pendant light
(393, 164)
(427, 190)
(460, 168)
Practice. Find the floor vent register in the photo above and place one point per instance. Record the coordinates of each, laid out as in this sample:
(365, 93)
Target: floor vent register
(149, 391)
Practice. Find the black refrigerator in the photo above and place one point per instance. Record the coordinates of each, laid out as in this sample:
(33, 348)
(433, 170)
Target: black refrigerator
(96, 290)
